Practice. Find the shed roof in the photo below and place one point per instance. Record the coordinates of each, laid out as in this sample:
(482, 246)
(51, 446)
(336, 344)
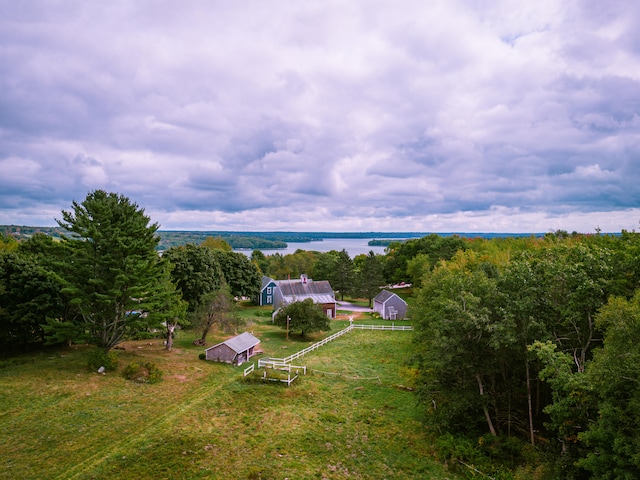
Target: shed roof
(240, 343)
(385, 295)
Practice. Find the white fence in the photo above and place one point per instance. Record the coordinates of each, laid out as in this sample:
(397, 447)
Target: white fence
(279, 377)
(357, 326)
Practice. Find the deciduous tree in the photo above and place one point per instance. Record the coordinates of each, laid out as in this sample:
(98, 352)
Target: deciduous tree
(195, 272)
(614, 376)
(215, 307)
(240, 274)
(29, 294)
(304, 317)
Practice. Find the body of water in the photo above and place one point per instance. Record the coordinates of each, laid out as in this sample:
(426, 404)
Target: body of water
(354, 246)
(357, 246)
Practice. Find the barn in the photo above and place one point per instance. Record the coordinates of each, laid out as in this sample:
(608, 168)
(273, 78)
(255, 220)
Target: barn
(236, 350)
(289, 291)
(390, 306)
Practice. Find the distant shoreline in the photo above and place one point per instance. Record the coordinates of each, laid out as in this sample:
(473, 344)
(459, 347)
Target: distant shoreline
(278, 240)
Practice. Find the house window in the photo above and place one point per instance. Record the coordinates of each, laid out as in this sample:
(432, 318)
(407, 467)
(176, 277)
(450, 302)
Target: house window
(269, 299)
(268, 290)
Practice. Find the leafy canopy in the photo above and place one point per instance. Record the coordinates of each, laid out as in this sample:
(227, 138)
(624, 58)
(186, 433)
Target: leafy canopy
(304, 317)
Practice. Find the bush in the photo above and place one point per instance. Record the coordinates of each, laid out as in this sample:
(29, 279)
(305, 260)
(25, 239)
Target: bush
(202, 356)
(99, 358)
(142, 372)
(145, 335)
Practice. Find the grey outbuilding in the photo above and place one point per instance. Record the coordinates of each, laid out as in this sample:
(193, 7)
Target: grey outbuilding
(390, 306)
(236, 350)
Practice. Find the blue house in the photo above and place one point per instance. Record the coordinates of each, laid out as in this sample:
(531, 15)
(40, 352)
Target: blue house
(267, 290)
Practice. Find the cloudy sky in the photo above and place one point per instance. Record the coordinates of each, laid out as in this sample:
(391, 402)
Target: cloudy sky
(351, 115)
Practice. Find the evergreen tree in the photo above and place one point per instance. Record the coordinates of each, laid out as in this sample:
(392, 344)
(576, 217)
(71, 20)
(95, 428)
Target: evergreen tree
(112, 271)
(369, 275)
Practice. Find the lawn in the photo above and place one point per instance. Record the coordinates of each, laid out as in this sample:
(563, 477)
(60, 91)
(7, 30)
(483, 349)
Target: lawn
(352, 416)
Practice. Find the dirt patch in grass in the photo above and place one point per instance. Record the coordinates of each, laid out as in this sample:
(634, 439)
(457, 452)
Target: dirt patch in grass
(352, 315)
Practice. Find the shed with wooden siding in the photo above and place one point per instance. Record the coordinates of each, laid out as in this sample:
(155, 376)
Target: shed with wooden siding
(236, 350)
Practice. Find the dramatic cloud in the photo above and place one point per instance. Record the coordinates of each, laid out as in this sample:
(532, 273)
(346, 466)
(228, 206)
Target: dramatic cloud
(325, 115)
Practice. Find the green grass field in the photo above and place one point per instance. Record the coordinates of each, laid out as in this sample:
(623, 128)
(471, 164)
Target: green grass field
(352, 416)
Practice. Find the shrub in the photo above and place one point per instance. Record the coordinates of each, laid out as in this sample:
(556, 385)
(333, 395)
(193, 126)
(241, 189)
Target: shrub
(99, 358)
(202, 356)
(142, 372)
(145, 335)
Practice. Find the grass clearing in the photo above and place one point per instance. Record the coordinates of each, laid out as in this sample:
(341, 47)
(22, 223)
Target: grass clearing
(351, 416)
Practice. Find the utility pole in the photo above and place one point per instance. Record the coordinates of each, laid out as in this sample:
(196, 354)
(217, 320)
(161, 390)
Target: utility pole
(288, 320)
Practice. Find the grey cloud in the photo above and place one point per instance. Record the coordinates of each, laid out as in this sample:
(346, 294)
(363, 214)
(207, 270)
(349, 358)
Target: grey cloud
(320, 113)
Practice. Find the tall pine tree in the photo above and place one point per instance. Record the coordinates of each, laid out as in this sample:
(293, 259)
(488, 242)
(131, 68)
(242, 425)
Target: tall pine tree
(113, 272)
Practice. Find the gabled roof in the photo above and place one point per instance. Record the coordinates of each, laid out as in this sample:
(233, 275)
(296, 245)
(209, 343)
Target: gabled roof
(266, 281)
(240, 343)
(385, 295)
(320, 291)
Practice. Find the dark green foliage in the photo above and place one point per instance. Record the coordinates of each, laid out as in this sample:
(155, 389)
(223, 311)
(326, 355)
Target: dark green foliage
(146, 372)
(459, 356)
(169, 309)
(237, 240)
(434, 246)
(240, 274)
(112, 269)
(304, 317)
(369, 275)
(293, 265)
(506, 342)
(57, 331)
(28, 295)
(260, 260)
(99, 358)
(202, 356)
(195, 272)
(338, 269)
(614, 377)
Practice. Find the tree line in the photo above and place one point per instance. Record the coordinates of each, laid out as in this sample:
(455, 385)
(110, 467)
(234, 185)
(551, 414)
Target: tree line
(529, 356)
(103, 282)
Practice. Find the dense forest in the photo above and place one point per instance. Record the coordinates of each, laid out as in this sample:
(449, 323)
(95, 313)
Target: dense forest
(528, 362)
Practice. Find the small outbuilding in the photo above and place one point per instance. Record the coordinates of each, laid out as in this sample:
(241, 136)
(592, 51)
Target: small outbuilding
(390, 306)
(236, 350)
